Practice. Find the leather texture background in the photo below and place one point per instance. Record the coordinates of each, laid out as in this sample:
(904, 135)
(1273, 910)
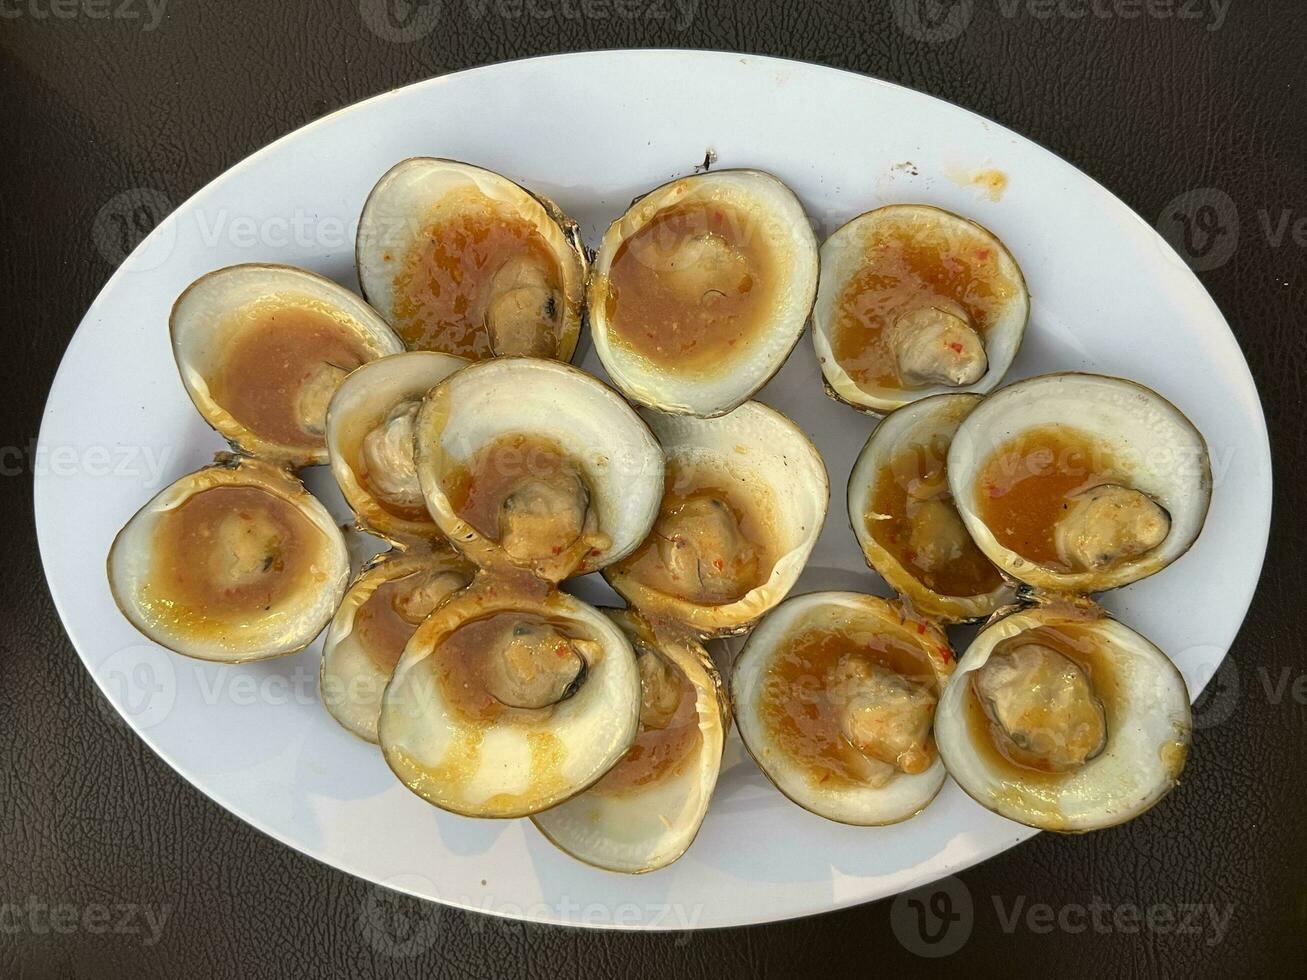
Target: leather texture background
(1153, 98)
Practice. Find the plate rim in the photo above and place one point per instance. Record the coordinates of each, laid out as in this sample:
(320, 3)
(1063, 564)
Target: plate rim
(62, 602)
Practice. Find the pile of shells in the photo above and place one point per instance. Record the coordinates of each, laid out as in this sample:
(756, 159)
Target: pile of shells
(458, 432)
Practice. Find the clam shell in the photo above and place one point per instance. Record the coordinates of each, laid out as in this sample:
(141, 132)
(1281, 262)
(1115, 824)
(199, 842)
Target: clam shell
(843, 255)
(911, 425)
(421, 190)
(498, 769)
(622, 461)
(203, 322)
(644, 828)
(1147, 740)
(774, 461)
(362, 402)
(773, 214)
(283, 630)
(1166, 457)
(351, 682)
(904, 795)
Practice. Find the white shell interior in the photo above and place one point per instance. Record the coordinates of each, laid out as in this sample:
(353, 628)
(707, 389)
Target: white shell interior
(207, 316)
(421, 191)
(591, 423)
(300, 617)
(912, 425)
(1146, 741)
(770, 211)
(361, 403)
(644, 828)
(1164, 454)
(904, 795)
(843, 255)
(351, 682)
(764, 450)
(420, 732)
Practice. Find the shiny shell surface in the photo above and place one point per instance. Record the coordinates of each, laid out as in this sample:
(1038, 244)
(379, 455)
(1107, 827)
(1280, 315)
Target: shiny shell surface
(768, 214)
(1160, 450)
(1148, 731)
(904, 795)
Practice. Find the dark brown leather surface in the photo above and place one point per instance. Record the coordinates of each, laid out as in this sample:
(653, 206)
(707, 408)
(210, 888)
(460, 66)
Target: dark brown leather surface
(1151, 105)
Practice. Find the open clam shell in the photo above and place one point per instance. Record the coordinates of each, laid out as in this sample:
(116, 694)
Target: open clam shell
(231, 563)
(424, 207)
(616, 456)
(744, 231)
(378, 615)
(370, 441)
(902, 450)
(1152, 447)
(306, 332)
(447, 728)
(823, 772)
(1147, 724)
(645, 812)
(763, 459)
(856, 250)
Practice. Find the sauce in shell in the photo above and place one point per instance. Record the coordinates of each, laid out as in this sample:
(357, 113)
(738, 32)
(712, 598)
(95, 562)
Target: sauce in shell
(443, 284)
(691, 483)
(908, 265)
(1025, 484)
(274, 351)
(898, 486)
(663, 746)
(802, 718)
(198, 584)
(691, 287)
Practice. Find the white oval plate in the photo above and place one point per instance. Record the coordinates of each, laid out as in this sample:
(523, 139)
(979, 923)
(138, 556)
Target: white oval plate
(592, 131)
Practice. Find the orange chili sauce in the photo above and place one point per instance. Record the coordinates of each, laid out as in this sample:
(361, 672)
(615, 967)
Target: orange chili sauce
(657, 320)
(477, 490)
(187, 587)
(1078, 644)
(658, 752)
(971, 573)
(382, 631)
(1024, 486)
(906, 267)
(458, 661)
(685, 482)
(798, 712)
(442, 286)
(270, 357)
